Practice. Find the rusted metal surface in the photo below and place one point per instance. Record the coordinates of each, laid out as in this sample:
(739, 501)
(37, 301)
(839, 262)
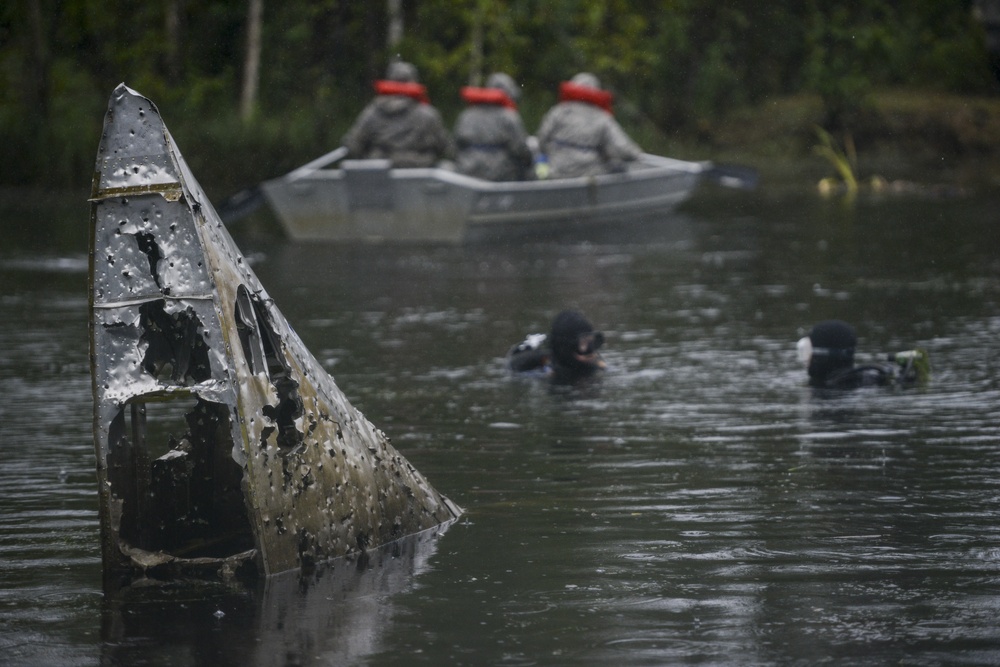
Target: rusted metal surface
(222, 444)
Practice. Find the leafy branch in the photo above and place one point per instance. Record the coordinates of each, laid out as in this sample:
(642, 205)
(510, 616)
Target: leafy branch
(844, 160)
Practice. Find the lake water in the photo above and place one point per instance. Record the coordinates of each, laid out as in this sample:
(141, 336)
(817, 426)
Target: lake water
(698, 504)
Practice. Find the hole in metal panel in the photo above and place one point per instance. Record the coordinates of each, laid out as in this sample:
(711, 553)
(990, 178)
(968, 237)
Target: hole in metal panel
(176, 352)
(263, 348)
(170, 464)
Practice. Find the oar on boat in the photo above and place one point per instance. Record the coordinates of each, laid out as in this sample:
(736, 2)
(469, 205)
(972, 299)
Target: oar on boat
(732, 176)
(322, 161)
(727, 175)
(245, 202)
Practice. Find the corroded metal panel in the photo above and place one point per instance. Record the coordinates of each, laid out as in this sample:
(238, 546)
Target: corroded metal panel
(222, 444)
(146, 254)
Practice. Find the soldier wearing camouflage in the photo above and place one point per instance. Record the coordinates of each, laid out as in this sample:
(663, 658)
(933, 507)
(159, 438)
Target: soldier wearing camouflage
(580, 136)
(491, 140)
(400, 125)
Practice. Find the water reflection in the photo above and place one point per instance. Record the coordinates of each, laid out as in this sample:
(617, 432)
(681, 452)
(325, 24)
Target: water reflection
(333, 616)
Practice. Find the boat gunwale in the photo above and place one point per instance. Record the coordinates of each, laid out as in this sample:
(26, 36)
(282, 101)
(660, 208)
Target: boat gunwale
(655, 167)
(589, 212)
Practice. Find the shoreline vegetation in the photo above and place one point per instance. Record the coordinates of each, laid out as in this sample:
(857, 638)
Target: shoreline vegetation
(828, 99)
(907, 143)
(924, 137)
(935, 141)
(931, 140)
(927, 139)
(253, 91)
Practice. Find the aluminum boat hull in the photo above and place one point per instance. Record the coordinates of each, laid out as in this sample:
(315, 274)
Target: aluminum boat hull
(366, 200)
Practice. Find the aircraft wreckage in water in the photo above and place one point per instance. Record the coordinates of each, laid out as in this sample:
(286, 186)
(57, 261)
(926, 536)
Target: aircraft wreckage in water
(223, 447)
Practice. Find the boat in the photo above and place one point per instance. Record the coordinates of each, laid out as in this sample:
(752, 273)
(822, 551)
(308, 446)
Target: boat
(223, 447)
(368, 200)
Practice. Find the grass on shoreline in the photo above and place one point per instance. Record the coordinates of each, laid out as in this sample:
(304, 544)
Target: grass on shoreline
(918, 136)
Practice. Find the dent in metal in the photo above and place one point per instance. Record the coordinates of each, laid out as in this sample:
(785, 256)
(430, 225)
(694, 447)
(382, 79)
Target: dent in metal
(222, 444)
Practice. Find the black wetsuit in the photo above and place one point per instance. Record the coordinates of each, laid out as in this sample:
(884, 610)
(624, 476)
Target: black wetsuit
(567, 354)
(831, 363)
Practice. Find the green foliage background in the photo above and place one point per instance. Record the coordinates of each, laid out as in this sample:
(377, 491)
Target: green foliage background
(675, 66)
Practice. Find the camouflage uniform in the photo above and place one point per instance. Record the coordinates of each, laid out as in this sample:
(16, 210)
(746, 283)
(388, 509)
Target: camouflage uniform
(399, 128)
(491, 140)
(581, 139)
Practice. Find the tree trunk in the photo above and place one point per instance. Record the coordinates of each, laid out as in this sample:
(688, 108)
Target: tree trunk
(251, 63)
(39, 68)
(395, 11)
(373, 44)
(476, 48)
(173, 39)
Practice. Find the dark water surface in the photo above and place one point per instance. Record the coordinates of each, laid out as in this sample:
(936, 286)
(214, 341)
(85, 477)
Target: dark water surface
(697, 505)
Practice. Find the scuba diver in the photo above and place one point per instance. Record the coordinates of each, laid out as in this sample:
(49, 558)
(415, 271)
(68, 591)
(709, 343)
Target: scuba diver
(567, 354)
(828, 352)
